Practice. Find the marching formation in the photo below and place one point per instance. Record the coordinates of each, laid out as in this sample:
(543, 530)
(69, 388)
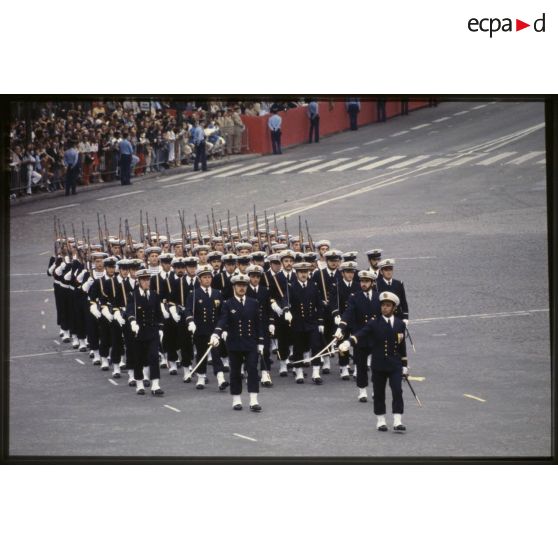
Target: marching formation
(234, 301)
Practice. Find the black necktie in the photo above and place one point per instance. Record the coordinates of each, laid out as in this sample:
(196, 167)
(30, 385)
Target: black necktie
(207, 292)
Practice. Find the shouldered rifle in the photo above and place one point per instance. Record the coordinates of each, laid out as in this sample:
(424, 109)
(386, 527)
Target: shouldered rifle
(275, 227)
(100, 231)
(168, 233)
(156, 231)
(198, 230)
(267, 235)
(109, 247)
(120, 229)
(311, 244)
(287, 232)
(208, 226)
(148, 228)
(214, 223)
(300, 234)
(238, 230)
(142, 236)
(56, 237)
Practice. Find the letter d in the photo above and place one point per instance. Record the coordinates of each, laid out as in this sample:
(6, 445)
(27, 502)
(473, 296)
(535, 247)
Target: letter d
(536, 24)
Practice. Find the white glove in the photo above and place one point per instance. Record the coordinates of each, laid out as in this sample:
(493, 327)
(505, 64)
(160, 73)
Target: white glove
(321, 329)
(68, 275)
(337, 319)
(260, 349)
(118, 317)
(166, 315)
(338, 334)
(81, 275)
(58, 271)
(67, 259)
(344, 347)
(51, 268)
(288, 316)
(405, 371)
(214, 340)
(224, 335)
(106, 313)
(271, 329)
(95, 311)
(406, 322)
(160, 336)
(88, 283)
(135, 327)
(276, 308)
(192, 327)
(174, 314)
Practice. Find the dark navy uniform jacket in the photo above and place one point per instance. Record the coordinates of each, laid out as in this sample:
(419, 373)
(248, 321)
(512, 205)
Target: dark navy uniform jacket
(389, 351)
(360, 310)
(147, 313)
(322, 278)
(243, 324)
(161, 285)
(264, 300)
(398, 289)
(306, 306)
(204, 309)
(338, 304)
(180, 289)
(222, 282)
(278, 286)
(110, 292)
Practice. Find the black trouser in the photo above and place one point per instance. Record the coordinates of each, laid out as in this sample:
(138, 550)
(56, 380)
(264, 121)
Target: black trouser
(283, 333)
(146, 353)
(201, 343)
(71, 179)
(381, 111)
(105, 336)
(125, 169)
(181, 339)
(117, 345)
(81, 308)
(361, 360)
(353, 114)
(200, 156)
(314, 127)
(66, 307)
(265, 360)
(167, 337)
(250, 361)
(305, 341)
(379, 379)
(92, 331)
(276, 141)
(58, 303)
(129, 346)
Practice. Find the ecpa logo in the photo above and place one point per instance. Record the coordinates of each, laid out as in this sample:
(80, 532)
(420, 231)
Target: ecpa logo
(494, 24)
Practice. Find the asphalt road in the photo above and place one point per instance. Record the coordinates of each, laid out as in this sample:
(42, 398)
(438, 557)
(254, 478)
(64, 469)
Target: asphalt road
(456, 194)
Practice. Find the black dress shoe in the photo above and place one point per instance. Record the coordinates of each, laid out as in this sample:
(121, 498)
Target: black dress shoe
(383, 428)
(256, 408)
(146, 383)
(83, 349)
(283, 374)
(173, 372)
(116, 375)
(157, 391)
(187, 380)
(140, 392)
(325, 370)
(223, 386)
(345, 378)
(132, 383)
(66, 340)
(363, 399)
(164, 365)
(400, 428)
(200, 386)
(318, 381)
(237, 407)
(300, 381)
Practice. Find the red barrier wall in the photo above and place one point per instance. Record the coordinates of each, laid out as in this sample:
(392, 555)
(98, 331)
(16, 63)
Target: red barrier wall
(333, 119)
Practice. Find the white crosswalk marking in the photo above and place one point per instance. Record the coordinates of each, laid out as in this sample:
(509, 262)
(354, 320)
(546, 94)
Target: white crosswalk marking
(463, 160)
(382, 162)
(352, 164)
(264, 169)
(460, 113)
(523, 158)
(442, 119)
(373, 141)
(241, 169)
(541, 162)
(409, 162)
(320, 167)
(496, 158)
(198, 174)
(420, 126)
(297, 166)
(435, 163)
(478, 107)
(399, 133)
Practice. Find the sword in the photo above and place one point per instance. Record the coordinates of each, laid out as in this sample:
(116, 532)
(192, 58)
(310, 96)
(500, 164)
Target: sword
(201, 360)
(410, 338)
(416, 397)
(316, 355)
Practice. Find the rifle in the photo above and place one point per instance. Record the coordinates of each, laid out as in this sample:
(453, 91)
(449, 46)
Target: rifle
(157, 231)
(300, 235)
(286, 232)
(208, 226)
(215, 232)
(182, 227)
(109, 247)
(148, 228)
(309, 237)
(120, 229)
(100, 231)
(142, 237)
(88, 247)
(267, 235)
(56, 237)
(190, 239)
(220, 227)
(65, 241)
(275, 226)
(238, 229)
(198, 231)
(231, 237)
(75, 242)
(248, 225)
(256, 229)
(168, 233)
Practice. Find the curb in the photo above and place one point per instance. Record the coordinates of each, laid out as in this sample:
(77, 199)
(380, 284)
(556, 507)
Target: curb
(186, 169)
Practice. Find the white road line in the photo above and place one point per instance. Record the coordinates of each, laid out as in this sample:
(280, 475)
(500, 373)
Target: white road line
(43, 326)
(399, 133)
(121, 195)
(382, 162)
(325, 165)
(418, 258)
(346, 149)
(113, 382)
(44, 354)
(80, 361)
(495, 158)
(478, 107)
(33, 291)
(168, 178)
(172, 408)
(541, 162)
(409, 162)
(215, 171)
(460, 113)
(515, 137)
(242, 169)
(439, 334)
(297, 166)
(420, 126)
(373, 141)
(46, 299)
(356, 163)
(57, 342)
(193, 181)
(435, 162)
(53, 208)
(44, 253)
(245, 437)
(463, 160)
(24, 274)
(524, 158)
(474, 397)
(442, 119)
(494, 314)
(274, 166)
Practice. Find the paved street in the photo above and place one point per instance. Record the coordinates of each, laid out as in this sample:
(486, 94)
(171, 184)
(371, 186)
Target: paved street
(456, 194)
